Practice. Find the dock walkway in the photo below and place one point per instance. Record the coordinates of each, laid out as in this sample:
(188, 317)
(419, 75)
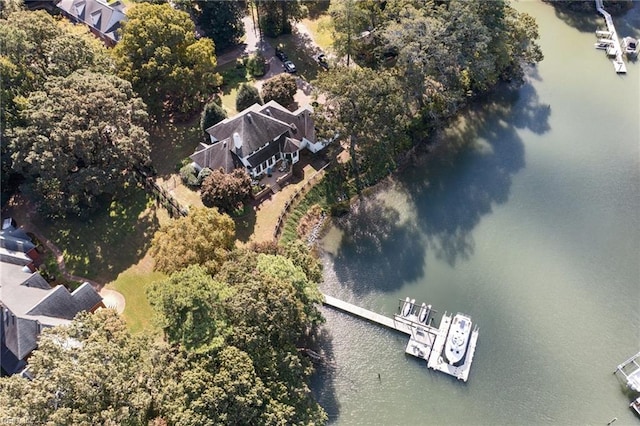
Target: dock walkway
(618, 63)
(366, 314)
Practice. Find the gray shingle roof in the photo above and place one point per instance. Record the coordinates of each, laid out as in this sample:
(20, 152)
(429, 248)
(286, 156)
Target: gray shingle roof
(96, 14)
(217, 156)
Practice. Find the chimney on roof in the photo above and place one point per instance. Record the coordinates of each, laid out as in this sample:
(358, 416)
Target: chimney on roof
(237, 141)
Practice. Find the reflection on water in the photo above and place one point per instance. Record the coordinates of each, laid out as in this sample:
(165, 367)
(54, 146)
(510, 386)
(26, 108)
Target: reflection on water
(527, 217)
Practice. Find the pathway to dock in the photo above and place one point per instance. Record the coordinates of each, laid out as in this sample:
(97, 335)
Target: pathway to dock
(618, 63)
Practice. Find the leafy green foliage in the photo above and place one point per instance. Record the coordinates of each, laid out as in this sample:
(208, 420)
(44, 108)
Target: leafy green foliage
(256, 65)
(189, 175)
(160, 56)
(71, 151)
(91, 371)
(227, 191)
(188, 305)
(247, 96)
(219, 20)
(204, 237)
(212, 114)
(275, 17)
(281, 88)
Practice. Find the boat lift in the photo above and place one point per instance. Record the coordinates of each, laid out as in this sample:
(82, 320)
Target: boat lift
(630, 370)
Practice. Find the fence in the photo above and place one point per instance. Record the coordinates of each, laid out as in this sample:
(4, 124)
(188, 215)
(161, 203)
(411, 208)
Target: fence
(162, 196)
(295, 197)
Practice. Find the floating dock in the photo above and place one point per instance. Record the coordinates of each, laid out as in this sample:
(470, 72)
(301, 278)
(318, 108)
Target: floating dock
(614, 50)
(425, 341)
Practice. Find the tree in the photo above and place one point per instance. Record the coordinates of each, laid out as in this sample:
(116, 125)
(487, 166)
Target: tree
(275, 16)
(221, 21)
(227, 191)
(365, 107)
(247, 96)
(188, 309)
(91, 371)
(256, 65)
(72, 151)
(281, 88)
(159, 54)
(204, 237)
(348, 21)
(212, 114)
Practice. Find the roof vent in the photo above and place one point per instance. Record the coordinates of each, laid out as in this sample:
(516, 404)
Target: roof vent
(249, 118)
(294, 128)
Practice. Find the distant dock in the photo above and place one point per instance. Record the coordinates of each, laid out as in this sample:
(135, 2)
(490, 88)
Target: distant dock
(425, 341)
(614, 49)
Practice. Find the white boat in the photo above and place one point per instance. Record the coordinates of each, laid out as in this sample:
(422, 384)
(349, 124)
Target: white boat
(422, 316)
(601, 33)
(406, 308)
(630, 46)
(635, 405)
(457, 340)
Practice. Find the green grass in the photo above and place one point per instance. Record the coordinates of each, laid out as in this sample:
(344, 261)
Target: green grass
(233, 76)
(109, 241)
(320, 31)
(137, 312)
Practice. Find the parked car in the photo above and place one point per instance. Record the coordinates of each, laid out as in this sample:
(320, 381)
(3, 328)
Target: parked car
(321, 59)
(289, 67)
(281, 55)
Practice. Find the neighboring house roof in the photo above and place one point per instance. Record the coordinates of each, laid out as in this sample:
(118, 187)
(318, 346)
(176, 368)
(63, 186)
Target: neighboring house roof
(100, 16)
(255, 134)
(28, 304)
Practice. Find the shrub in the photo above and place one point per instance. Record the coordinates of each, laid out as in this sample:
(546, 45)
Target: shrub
(281, 88)
(204, 173)
(189, 175)
(247, 96)
(256, 65)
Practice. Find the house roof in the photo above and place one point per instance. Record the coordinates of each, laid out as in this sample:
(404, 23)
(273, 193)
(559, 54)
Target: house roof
(255, 129)
(97, 14)
(217, 156)
(28, 303)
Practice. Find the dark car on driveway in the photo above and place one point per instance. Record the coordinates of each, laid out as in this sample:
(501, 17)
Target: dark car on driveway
(321, 59)
(289, 67)
(281, 55)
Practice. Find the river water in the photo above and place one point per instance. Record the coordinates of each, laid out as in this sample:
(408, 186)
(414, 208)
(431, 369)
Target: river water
(533, 230)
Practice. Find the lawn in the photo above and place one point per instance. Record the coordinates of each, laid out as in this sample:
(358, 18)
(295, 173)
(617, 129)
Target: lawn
(233, 75)
(132, 283)
(109, 241)
(319, 29)
(173, 142)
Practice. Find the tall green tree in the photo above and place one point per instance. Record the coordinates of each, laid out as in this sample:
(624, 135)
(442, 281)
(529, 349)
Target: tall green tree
(275, 17)
(281, 88)
(204, 237)
(159, 54)
(247, 96)
(348, 21)
(83, 136)
(226, 191)
(212, 114)
(91, 371)
(221, 21)
(366, 108)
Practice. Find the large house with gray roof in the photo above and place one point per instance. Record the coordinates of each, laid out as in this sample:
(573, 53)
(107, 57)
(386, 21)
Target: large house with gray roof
(102, 18)
(28, 303)
(257, 138)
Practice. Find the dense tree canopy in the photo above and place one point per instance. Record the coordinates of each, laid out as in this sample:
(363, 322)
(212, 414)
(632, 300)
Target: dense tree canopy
(226, 191)
(280, 88)
(89, 372)
(241, 329)
(275, 17)
(36, 47)
(83, 136)
(204, 237)
(366, 108)
(220, 21)
(160, 56)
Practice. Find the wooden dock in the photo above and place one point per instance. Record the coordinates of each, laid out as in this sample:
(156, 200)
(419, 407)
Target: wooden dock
(616, 49)
(425, 341)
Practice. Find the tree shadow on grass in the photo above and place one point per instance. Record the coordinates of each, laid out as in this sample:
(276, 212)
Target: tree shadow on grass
(171, 143)
(245, 224)
(112, 239)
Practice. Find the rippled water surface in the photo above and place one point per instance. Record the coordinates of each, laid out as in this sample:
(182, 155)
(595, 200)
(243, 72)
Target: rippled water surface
(534, 232)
